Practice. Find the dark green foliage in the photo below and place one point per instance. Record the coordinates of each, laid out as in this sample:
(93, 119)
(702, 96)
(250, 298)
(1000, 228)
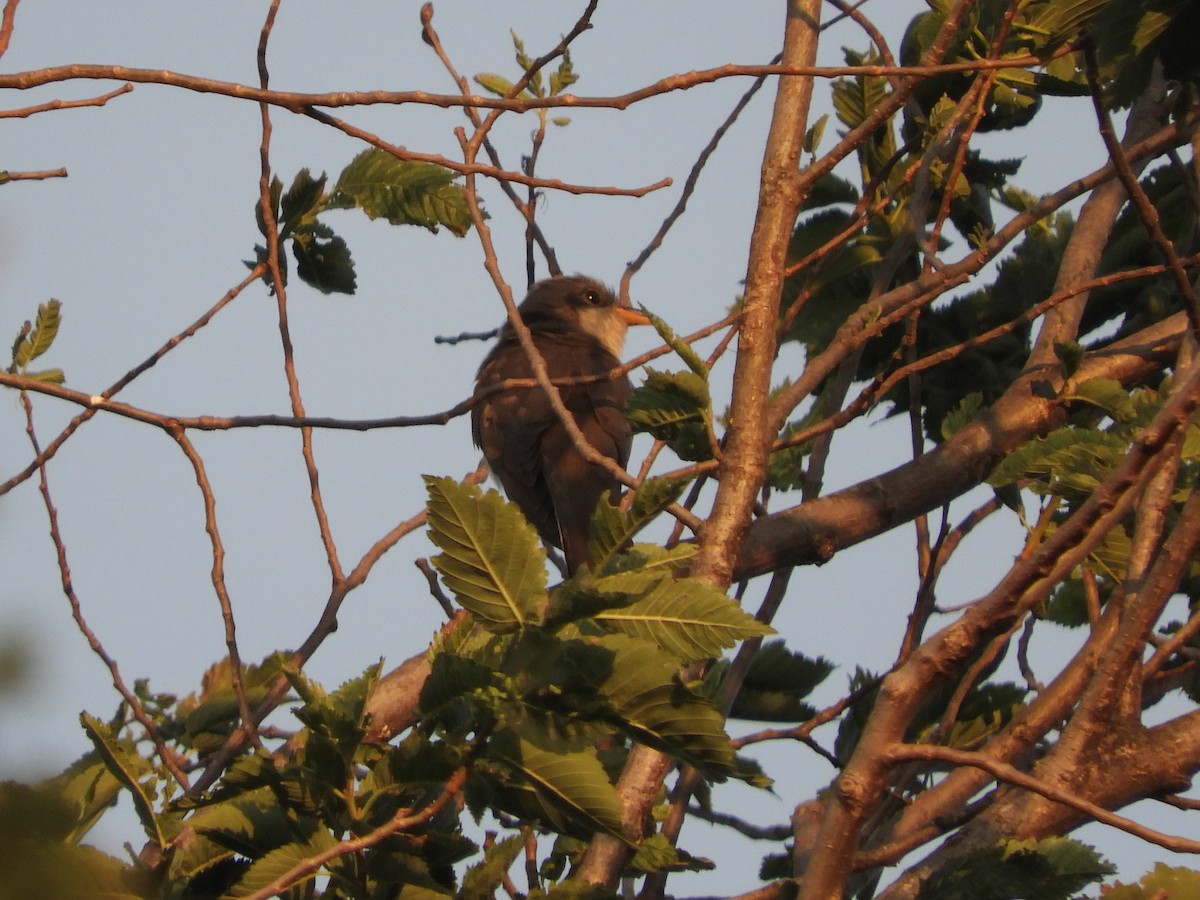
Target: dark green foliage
(1132, 305)
(1051, 869)
(402, 192)
(675, 408)
(777, 683)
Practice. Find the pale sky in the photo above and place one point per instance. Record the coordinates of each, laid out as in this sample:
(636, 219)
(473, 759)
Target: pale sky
(150, 229)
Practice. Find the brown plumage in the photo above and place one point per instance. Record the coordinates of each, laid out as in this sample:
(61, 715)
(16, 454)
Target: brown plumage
(578, 326)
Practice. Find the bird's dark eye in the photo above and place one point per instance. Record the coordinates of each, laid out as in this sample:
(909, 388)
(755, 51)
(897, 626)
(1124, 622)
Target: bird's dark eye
(595, 298)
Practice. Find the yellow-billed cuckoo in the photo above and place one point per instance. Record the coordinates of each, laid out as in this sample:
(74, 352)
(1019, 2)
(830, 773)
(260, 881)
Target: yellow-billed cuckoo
(578, 326)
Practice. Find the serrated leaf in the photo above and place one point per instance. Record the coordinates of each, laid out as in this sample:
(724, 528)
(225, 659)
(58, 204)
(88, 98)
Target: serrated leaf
(301, 202)
(964, 413)
(1108, 394)
(681, 347)
(340, 715)
(812, 137)
(127, 768)
(1048, 869)
(1162, 882)
(33, 341)
(1074, 459)
(574, 784)
(323, 259)
(90, 788)
(657, 710)
(251, 825)
(689, 618)
(402, 191)
(278, 862)
(492, 560)
(611, 527)
(483, 878)
(674, 407)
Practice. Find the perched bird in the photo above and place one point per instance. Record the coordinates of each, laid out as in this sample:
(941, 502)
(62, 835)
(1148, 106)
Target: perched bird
(578, 326)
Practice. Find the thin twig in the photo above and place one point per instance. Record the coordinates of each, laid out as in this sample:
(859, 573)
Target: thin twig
(38, 175)
(300, 102)
(135, 705)
(101, 100)
(92, 407)
(1146, 211)
(217, 573)
(435, 588)
(6, 24)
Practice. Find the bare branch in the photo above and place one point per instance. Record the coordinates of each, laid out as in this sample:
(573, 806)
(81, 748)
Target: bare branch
(101, 100)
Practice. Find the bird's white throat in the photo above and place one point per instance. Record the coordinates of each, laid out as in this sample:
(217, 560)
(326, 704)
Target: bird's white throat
(605, 326)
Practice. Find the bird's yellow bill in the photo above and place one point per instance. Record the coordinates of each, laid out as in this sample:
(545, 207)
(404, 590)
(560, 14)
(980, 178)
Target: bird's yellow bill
(631, 316)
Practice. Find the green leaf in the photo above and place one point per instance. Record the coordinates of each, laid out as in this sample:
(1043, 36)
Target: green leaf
(655, 708)
(90, 788)
(657, 854)
(272, 866)
(1067, 460)
(1070, 354)
(570, 784)
(685, 351)
(812, 138)
(1050, 869)
(35, 340)
(301, 202)
(340, 715)
(492, 560)
(688, 618)
(323, 259)
(50, 376)
(776, 684)
(1108, 394)
(402, 192)
(485, 877)
(1163, 881)
(564, 76)
(964, 413)
(674, 407)
(497, 84)
(611, 527)
(128, 768)
(251, 825)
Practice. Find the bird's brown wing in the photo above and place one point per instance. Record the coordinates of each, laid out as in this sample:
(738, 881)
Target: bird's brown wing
(574, 484)
(509, 427)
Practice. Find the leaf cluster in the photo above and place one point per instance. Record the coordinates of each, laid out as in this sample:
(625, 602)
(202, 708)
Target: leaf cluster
(1069, 463)
(402, 192)
(536, 84)
(550, 676)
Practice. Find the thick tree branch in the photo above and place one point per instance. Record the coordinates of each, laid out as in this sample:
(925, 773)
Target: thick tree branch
(747, 440)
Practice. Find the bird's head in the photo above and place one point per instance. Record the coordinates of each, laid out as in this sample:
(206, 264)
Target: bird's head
(574, 304)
